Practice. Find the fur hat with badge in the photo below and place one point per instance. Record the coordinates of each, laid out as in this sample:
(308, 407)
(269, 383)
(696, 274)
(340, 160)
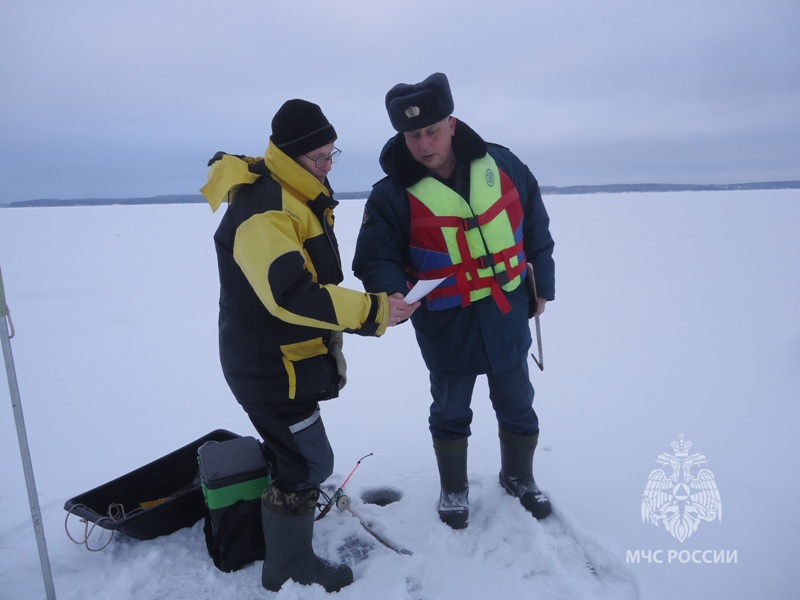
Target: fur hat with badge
(300, 127)
(416, 105)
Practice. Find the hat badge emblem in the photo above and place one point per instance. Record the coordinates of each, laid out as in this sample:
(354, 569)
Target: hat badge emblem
(412, 111)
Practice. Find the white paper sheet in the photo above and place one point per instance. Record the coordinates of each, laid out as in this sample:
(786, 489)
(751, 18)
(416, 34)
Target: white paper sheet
(422, 287)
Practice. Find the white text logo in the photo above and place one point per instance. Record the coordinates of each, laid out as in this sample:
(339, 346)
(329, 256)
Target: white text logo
(682, 494)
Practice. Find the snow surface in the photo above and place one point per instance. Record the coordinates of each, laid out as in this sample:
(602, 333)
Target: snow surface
(677, 313)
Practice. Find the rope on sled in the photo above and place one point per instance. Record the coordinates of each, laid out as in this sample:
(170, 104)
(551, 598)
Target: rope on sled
(116, 512)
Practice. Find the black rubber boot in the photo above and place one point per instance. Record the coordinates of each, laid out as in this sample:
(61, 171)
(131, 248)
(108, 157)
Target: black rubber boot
(288, 522)
(451, 457)
(516, 474)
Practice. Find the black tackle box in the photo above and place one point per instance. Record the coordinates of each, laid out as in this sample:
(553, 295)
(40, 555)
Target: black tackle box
(231, 471)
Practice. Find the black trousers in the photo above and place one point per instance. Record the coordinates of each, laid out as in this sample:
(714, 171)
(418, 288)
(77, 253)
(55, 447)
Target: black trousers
(302, 455)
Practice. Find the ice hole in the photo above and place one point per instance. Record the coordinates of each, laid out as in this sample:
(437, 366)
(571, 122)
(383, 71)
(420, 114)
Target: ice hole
(381, 496)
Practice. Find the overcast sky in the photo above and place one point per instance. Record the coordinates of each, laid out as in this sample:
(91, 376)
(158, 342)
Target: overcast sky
(127, 99)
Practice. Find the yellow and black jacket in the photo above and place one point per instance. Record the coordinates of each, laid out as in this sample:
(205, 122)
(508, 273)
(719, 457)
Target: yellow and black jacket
(279, 270)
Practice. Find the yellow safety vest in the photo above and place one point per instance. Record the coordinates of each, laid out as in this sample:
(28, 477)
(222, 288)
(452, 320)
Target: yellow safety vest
(475, 244)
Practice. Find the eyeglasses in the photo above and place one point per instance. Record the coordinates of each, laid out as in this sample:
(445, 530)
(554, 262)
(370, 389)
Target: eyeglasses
(321, 161)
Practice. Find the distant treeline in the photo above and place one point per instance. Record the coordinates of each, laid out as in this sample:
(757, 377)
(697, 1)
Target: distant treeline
(614, 188)
(619, 188)
(174, 199)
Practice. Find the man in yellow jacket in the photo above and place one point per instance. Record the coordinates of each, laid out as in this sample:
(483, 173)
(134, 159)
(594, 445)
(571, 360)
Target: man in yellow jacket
(281, 319)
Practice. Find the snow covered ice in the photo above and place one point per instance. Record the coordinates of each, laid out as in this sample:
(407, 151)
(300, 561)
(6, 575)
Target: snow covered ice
(676, 313)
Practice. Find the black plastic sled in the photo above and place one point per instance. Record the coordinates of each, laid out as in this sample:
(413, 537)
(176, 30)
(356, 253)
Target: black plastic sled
(154, 500)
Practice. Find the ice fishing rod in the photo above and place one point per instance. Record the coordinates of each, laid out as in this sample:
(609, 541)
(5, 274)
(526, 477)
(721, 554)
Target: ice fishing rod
(343, 503)
(338, 496)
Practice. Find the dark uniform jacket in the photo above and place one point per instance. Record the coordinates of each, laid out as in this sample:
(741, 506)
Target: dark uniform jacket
(477, 338)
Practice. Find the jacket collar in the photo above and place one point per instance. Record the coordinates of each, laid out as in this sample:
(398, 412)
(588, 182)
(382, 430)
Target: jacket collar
(227, 172)
(293, 177)
(397, 162)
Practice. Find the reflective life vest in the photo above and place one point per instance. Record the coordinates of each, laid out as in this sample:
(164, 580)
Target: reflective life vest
(475, 244)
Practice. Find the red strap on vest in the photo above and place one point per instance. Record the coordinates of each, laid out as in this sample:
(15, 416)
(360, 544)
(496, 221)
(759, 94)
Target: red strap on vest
(470, 265)
(465, 223)
(463, 286)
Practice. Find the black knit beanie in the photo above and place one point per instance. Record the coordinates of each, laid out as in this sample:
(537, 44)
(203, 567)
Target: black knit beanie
(300, 127)
(416, 105)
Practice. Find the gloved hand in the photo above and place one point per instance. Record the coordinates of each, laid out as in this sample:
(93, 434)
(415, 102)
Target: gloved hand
(335, 348)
